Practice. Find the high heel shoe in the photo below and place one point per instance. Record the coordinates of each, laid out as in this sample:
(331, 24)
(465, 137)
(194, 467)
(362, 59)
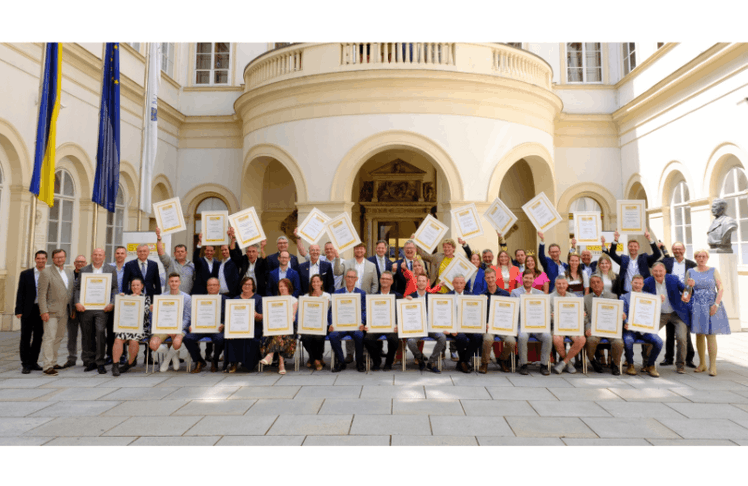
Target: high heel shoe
(700, 369)
(282, 371)
(267, 360)
(713, 372)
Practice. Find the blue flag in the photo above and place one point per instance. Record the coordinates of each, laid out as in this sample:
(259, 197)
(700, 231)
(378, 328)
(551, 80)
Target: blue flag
(106, 184)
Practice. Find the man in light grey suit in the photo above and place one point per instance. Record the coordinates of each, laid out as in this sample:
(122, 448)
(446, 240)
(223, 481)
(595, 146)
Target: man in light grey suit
(367, 271)
(55, 293)
(94, 322)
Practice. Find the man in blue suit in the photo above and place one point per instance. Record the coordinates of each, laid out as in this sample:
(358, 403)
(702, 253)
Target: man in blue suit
(206, 267)
(467, 344)
(554, 266)
(380, 259)
(283, 271)
(371, 340)
(637, 283)
(274, 259)
(145, 268)
(677, 265)
(409, 250)
(228, 275)
(315, 266)
(351, 277)
(673, 309)
(634, 263)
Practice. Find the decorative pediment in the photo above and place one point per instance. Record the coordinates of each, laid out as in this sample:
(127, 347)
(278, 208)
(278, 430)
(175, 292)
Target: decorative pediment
(398, 167)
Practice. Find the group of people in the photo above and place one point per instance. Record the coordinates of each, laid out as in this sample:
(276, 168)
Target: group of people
(48, 304)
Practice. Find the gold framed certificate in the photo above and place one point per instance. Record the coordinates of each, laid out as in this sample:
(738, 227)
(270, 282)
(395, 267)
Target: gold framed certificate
(346, 311)
(500, 217)
(313, 315)
(471, 314)
(568, 316)
(206, 314)
(542, 213)
(314, 226)
(247, 227)
(588, 227)
(632, 216)
(411, 318)
(430, 233)
(644, 312)
(503, 316)
(96, 290)
(167, 314)
(442, 314)
(215, 225)
(535, 313)
(380, 313)
(458, 266)
(343, 235)
(606, 318)
(467, 221)
(240, 319)
(169, 216)
(277, 315)
(128, 313)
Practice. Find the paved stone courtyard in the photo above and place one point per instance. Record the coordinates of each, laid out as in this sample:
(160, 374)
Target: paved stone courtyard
(379, 408)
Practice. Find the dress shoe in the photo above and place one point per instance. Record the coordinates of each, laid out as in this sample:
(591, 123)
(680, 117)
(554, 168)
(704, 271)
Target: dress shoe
(387, 367)
(213, 366)
(198, 368)
(338, 367)
(630, 370)
(376, 367)
(505, 366)
(90, 367)
(123, 368)
(483, 368)
(26, 370)
(69, 364)
(57, 367)
(666, 362)
(523, 370)
(115, 369)
(615, 370)
(544, 370)
(360, 367)
(597, 366)
(455, 357)
(690, 364)
(309, 363)
(50, 372)
(232, 368)
(653, 371)
(36, 367)
(102, 370)
(462, 366)
(422, 364)
(109, 360)
(433, 368)
(317, 365)
(349, 359)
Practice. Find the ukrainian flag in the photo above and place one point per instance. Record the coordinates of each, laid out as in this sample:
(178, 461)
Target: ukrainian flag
(43, 180)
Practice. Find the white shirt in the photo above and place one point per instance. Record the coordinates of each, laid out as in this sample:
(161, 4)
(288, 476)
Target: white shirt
(679, 270)
(143, 267)
(222, 279)
(64, 276)
(633, 269)
(36, 284)
(98, 270)
(380, 262)
(666, 308)
(282, 273)
(360, 270)
(587, 271)
(408, 264)
(251, 270)
(607, 284)
(505, 276)
(313, 269)
(210, 264)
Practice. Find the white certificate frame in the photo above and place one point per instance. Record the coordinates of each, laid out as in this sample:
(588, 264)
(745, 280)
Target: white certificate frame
(246, 240)
(545, 301)
(224, 216)
(542, 199)
(342, 246)
(160, 301)
(85, 277)
(642, 209)
(276, 305)
(423, 331)
(438, 225)
(497, 300)
(122, 300)
(636, 299)
(304, 326)
(498, 206)
(378, 299)
(595, 215)
(228, 329)
(577, 302)
(161, 206)
(441, 299)
(595, 330)
(472, 211)
(196, 300)
(337, 299)
(464, 300)
(458, 263)
(319, 216)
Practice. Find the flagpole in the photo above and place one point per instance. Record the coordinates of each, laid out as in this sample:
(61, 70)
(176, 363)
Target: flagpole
(34, 199)
(146, 102)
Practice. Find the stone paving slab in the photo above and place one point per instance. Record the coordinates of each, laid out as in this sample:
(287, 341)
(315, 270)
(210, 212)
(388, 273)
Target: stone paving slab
(15, 426)
(74, 408)
(422, 379)
(215, 407)
(139, 394)
(710, 396)
(374, 378)
(695, 443)
(293, 378)
(315, 424)
(519, 441)
(265, 392)
(203, 393)
(708, 383)
(475, 379)
(90, 441)
(390, 425)
(75, 426)
(125, 381)
(591, 381)
(23, 394)
(233, 379)
(175, 441)
(355, 406)
(457, 392)
(261, 440)
(242, 425)
(153, 426)
(146, 408)
(495, 408)
(24, 441)
(411, 391)
(568, 408)
(415, 406)
(323, 391)
(470, 426)
(82, 394)
(579, 394)
(347, 440)
(77, 382)
(282, 406)
(639, 410)
(560, 427)
(709, 410)
(21, 409)
(512, 393)
(401, 440)
(538, 381)
(629, 428)
(183, 379)
(648, 395)
(25, 382)
(706, 428)
(606, 442)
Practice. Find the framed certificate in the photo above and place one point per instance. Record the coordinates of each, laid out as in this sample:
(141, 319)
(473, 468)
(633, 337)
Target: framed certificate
(442, 314)
(644, 312)
(169, 216)
(587, 228)
(346, 312)
(471, 314)
(313, 315)
(247, 227)
(277, 315)
(314, 226)
(606, 318)
(167, 314)
(430, 233)
(380, 313)
(343, 235)
(568, 316)
(458, 266)
(535, 313)
(503, 316)
(240, 319)
(500, 217)
(632, 217)
(411, 318)
(542, 213)
(96, 290)
(206, 314)
(215, 225)
(467, 221)
(128, 313)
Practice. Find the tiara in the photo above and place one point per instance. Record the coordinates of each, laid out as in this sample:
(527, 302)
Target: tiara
(530, 253)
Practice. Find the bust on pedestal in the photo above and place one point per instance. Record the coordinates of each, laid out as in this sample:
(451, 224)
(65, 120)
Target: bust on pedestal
(718, 237)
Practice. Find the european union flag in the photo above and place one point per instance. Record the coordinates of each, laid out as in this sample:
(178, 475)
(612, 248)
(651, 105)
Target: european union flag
(107, 153)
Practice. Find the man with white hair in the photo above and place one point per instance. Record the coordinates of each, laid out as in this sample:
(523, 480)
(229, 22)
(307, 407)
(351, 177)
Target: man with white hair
(144, 268)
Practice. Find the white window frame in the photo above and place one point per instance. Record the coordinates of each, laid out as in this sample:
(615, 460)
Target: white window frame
(212, 70)
(115, 220)
(628, 52)
(59, 199)
(680, 206)
(168, 50)
(584, 65)
(134, 45)
(734, 196)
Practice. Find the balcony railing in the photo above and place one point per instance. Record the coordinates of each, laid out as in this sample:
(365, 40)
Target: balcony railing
(409, 53)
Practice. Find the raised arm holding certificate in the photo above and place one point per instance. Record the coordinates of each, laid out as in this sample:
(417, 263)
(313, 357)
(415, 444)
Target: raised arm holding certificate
(500, 217)
(240, 319)
(568, 316)
(587, 228)
(215, 225)
(606, 318)
(535, 313)
(430, 233)
(442, 316)
(503, 316)
(313, 315)
(206, 314)
(96, 290)
(632, 216)
(458, 266)
(343, 235)
(644, 312)
(346, 311)
(277, 315)
(542, 213)
(471, 314)
(468, 222)
(167, 314)
(380, 313)
(247, 227)
(128, 313)
(314, 226)
(169, 216)
(411, 318)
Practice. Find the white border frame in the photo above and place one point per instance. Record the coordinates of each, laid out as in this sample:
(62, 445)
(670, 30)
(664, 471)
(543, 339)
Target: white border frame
(285, 301)
(357, 302)
(433, 300)
(635, 299)
(391, 302)
(524, 300)
(619, 321)
(542, 199)
(227, 332)
(120, 300)
(320, 216)
(158, 301)
(343, 218)
(240, 239)
(84, 286)
(309, 300)
(462, 300)
(203, 298)
(498, 205)
(642, 215)
(500, 300)
(163, 205)
(224, 216)
(597, 216)
(423, 332)
(443, 229)
(473, 211)
(578, 302)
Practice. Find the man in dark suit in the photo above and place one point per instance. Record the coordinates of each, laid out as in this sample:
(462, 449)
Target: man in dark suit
(677, 265)
(315, 266)
(252, 264)
(409, 248)
(206, 267)
(350, 277)
(74, 322)
(283, 271)
(380, 259)
(144, 268)
(467, 344)
(27, 309)
(371, 339)
(429, 363)
(634, 263)
(553, 266)
(228, 275)
(273, 260)
(192, 340)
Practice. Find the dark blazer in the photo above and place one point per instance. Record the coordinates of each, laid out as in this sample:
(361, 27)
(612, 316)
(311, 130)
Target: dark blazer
(363, 301)
(674, 289)
(644, 260)
(231, 274)
(593, 266)
(387, 264)
(106, 268)
(202, 273)
(261, 269)
(152, 278)
(274, 278)
(26, 294)
(325, 271)
(668, 261)
(551, 269)
(479, 286)
(400, 281)
(273, 262)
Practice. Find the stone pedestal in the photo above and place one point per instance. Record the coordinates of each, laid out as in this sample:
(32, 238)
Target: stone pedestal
(727, 265)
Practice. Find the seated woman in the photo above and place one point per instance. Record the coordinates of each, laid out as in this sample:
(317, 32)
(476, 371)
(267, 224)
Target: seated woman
(579, 282)
(315, 344)
(508, 276)
(157, 340)
(246, 351)
(133, 339)
(541, 282)
(285, 345)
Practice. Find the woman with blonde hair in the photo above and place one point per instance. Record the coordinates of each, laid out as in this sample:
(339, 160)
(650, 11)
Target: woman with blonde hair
(610, 278)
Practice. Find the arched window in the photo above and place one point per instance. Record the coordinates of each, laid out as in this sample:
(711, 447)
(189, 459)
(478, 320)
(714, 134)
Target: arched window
(680, 217)
(735, 192)
(60, 226)
(583, 204)
(115, 225)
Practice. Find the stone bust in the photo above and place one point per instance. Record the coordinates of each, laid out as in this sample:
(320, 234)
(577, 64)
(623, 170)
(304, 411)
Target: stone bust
(720, 232)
